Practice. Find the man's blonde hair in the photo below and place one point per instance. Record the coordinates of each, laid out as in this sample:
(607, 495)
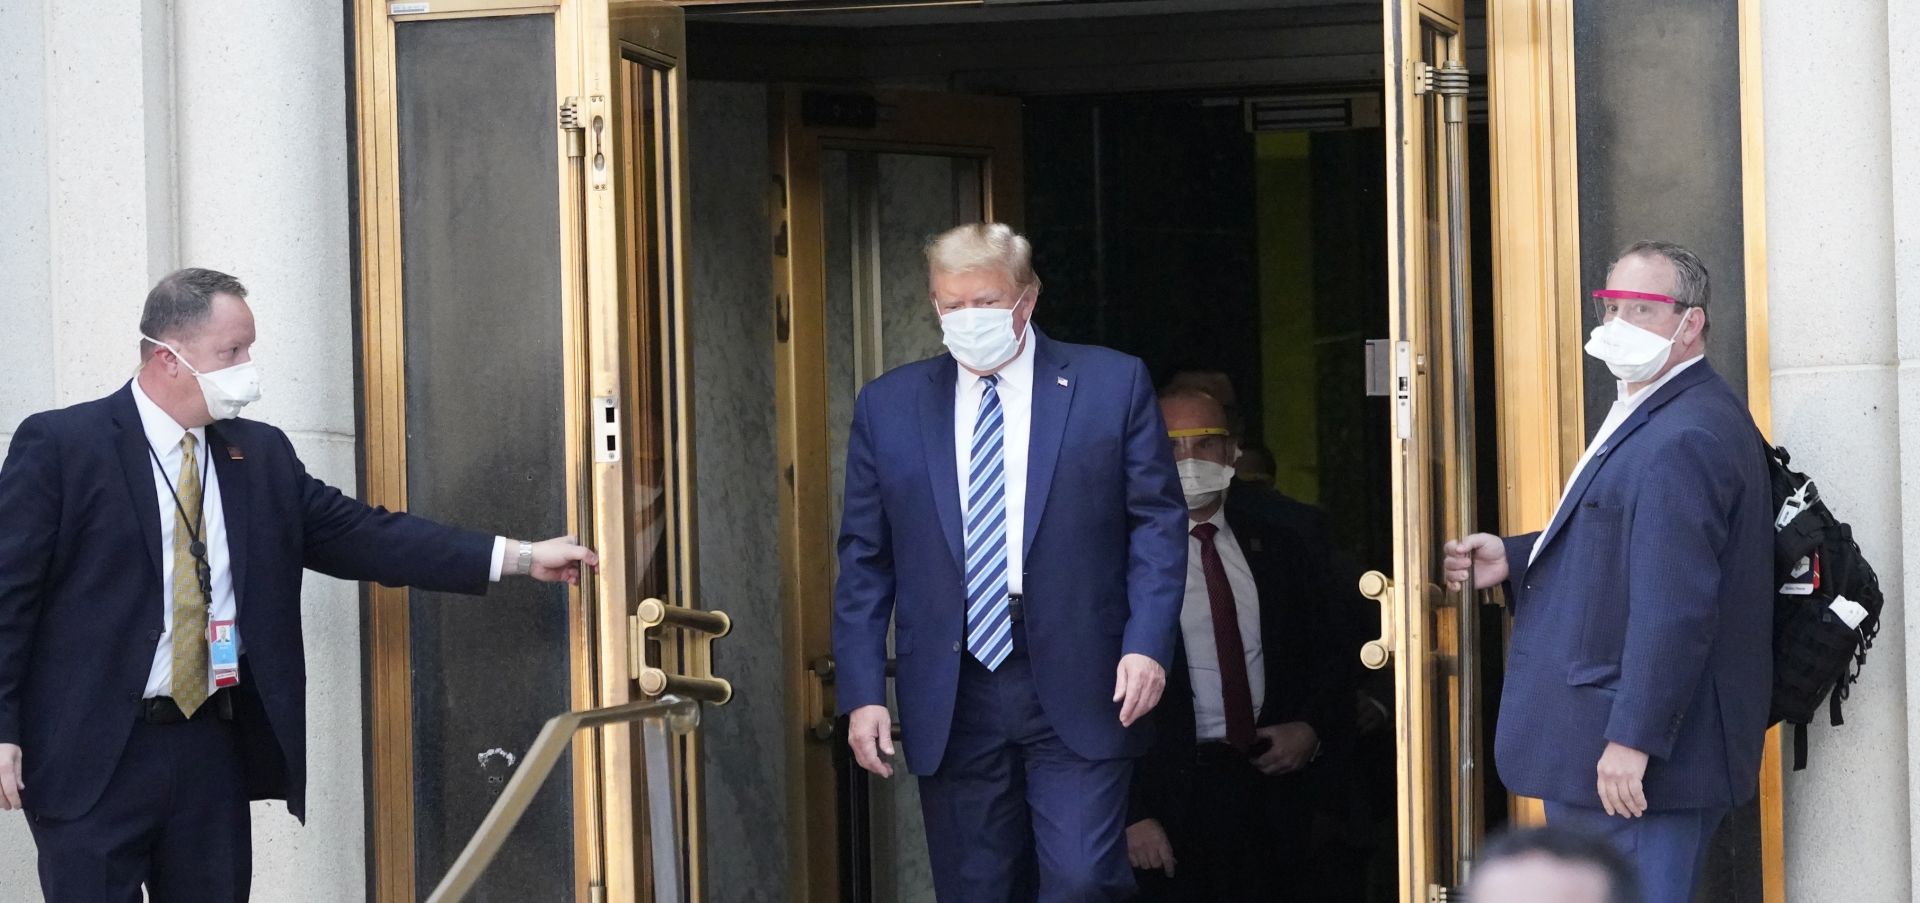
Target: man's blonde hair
(983, 246)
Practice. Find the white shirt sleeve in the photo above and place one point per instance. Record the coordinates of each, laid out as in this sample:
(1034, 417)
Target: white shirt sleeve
(499, 549)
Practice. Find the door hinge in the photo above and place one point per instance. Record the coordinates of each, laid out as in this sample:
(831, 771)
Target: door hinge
(1449, 79)
(575, 129)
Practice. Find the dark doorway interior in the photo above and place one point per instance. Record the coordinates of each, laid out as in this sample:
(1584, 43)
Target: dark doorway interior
(1166, 227)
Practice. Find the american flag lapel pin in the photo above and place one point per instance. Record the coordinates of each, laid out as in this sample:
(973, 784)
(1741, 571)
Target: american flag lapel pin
(1061, 380)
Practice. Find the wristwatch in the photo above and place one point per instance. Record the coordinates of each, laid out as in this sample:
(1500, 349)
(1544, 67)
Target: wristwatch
(524, 565)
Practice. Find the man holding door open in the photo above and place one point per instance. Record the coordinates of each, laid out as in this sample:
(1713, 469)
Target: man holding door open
(1636, 690)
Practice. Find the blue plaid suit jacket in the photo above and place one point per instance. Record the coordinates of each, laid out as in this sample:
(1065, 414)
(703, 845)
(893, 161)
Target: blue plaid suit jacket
(1647, 618)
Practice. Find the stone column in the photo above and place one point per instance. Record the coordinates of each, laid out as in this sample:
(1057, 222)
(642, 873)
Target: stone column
(1831, 234)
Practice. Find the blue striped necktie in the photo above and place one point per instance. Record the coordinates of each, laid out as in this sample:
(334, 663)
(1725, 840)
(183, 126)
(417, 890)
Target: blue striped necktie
(989, 627)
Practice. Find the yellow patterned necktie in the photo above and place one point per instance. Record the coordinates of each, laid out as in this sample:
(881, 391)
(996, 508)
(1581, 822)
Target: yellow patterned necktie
(190, 601)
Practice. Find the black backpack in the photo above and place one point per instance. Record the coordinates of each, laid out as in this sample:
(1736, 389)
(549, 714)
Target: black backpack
(1826, 607)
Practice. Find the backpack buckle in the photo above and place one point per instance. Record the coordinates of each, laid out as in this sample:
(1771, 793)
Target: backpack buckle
(1794, 504)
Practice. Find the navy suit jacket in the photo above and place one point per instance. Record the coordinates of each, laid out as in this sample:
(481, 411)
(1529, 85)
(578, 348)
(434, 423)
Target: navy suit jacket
(1105, 543)
(80, 595)
(1647, 618)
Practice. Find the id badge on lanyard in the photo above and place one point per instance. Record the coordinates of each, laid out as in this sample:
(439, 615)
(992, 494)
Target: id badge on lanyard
(223, 653)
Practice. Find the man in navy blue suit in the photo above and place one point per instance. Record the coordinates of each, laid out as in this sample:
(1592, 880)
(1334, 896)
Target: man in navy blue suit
(1012, 511)
(152, 677)
(1637, 684)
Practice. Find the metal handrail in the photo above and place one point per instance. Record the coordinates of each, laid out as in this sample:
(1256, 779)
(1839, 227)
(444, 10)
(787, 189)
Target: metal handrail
(659, 715)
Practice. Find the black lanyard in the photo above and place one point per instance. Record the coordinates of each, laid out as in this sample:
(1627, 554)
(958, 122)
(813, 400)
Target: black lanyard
(198, 547)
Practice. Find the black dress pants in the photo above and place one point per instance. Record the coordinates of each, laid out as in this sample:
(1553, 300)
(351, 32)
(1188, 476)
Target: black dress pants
(174, 817)
(1242, 837)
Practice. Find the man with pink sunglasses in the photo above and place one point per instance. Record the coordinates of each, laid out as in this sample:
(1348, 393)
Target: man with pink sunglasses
(1640, 667)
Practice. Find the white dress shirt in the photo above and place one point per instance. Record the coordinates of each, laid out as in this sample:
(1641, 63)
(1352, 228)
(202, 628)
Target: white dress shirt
(1016, 406)
(1196, 629)
(1623, 407)
(164, 433)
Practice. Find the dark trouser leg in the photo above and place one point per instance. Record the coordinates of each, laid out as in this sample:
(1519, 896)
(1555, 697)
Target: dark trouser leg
(102, 856)
(1222, 846)
(978, 840)
(121, 843)
(1286, 838)
(1667, 848)
(206, 845)
(1079, 815)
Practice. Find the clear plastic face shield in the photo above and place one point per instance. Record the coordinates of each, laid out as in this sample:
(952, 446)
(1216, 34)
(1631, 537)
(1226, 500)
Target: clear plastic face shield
(1206, 443)
(1643, 309)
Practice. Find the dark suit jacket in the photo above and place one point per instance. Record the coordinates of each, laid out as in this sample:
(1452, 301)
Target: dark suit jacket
(1647, 619)
(80, 595)
(1309, 669)
(1105, 546)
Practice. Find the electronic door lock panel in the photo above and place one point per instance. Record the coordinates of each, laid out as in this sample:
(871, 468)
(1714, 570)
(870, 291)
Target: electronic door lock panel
(606, 429)
(1403, 389)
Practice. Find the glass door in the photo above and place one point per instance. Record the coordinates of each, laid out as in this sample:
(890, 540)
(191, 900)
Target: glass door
(1433, 635)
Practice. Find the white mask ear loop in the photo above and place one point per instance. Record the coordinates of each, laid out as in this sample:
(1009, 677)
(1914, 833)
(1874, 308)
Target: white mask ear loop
(1683, 325)
(176, 354)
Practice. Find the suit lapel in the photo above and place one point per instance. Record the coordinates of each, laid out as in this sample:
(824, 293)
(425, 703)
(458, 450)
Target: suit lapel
(936, 433)
(1052, 398)
(137, 466)
(229, 463)
(1582, 481)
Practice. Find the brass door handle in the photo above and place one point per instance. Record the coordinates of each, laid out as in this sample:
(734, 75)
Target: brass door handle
(819, 700)
(1377, 654)
(701, 629)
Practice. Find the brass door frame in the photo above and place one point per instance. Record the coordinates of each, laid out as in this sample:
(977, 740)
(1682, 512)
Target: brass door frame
(984, 128)
(617, 39)
(1422, 208)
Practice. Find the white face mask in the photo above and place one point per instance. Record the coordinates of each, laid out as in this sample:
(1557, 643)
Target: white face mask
(1633, 354)
(226, 391)
(981, 338)
(1203, 482)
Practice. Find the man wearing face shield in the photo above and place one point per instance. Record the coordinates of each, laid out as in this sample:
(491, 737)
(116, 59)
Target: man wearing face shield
(152, 677)
(1637, 684)
(1013, 513)
(1221, 804)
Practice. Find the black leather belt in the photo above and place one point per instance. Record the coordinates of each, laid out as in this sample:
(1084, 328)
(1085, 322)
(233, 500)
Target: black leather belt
(163, 710)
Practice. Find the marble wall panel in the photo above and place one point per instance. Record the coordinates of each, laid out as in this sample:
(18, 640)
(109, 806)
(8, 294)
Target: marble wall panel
(737, 502)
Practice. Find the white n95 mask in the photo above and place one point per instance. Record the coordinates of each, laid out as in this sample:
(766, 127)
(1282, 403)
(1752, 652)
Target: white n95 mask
(1633, 354)
(1203, 482)
(226, 391)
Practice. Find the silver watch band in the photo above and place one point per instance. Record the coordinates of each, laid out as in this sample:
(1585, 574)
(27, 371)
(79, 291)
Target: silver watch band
(524, 564)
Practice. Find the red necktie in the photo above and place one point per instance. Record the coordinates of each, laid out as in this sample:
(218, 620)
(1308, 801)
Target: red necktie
(1236, 695)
